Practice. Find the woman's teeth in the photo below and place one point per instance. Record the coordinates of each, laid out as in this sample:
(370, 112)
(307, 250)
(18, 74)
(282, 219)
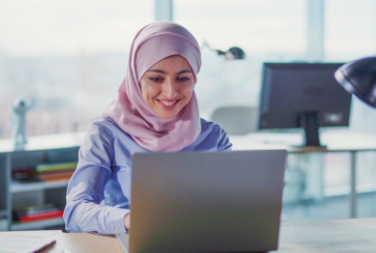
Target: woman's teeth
(168, 103)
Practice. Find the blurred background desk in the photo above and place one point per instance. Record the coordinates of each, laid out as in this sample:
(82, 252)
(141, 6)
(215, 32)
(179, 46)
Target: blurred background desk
(338, 141)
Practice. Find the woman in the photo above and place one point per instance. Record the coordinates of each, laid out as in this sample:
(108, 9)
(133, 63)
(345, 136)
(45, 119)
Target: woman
(155, 111)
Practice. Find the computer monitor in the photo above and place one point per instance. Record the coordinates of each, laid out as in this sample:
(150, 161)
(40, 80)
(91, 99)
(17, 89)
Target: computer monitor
(302, 95)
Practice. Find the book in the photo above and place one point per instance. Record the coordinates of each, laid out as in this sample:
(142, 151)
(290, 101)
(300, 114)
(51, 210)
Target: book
(55, 167)
(18, 214)
(24, 174)
(26, 211)
(44, 172)
(55, 174)
(42, 216)
(32, 208)
(57, 178)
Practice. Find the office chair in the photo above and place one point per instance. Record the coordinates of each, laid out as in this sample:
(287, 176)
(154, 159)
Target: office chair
(236, 120)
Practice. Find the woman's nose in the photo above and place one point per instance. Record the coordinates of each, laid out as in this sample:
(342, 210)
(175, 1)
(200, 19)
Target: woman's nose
(169, 89)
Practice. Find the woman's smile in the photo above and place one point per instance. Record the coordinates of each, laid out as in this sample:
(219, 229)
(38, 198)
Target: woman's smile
(168, 104)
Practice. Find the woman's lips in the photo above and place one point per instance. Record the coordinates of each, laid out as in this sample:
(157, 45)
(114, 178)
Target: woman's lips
(168, 104)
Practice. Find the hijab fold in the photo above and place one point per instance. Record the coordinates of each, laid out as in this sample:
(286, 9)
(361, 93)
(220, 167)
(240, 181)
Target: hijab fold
(153, 43)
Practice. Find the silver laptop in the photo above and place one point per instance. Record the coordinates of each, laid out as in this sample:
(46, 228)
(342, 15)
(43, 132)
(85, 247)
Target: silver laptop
(206, 201)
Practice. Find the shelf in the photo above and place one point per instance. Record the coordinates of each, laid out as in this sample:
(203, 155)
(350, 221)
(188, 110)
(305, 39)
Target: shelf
(37, 224)
(35, 186)
(45, 142)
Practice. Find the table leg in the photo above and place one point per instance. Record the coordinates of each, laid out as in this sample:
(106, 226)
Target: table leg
(313, 165)
(353, 184)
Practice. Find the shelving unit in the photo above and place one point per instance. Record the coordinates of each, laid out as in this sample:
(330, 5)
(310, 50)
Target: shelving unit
(59, 148)
(35, 186)
(37, 224)
(3, 213)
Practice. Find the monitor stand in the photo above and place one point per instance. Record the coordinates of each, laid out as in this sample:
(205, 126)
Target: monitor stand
(309, 121)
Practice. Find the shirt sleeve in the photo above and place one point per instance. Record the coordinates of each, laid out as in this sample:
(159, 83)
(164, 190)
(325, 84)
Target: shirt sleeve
(224, 143)
(84, 211)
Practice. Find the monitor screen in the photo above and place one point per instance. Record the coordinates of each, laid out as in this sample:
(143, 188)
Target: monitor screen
(302, 95)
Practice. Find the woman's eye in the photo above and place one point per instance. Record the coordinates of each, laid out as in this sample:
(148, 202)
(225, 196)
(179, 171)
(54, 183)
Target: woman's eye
(183, 79)
(155, 79)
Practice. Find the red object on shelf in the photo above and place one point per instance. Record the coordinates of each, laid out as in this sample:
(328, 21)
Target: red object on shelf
(55, 174)
(42, 216)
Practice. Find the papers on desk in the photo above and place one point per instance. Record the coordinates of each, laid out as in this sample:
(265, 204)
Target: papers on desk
(24, 244)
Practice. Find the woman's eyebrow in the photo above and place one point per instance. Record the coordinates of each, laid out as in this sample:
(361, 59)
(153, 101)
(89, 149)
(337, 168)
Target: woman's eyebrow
(164, 72)
(157, 70)
(184, 71)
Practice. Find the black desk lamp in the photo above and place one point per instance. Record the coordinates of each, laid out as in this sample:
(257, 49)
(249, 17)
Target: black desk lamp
(234, 53)
(359, 78)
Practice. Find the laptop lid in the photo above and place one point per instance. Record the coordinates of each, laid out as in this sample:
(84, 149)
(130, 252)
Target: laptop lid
(206, 201)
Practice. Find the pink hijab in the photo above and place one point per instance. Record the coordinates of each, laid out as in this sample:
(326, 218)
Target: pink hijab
(153, 43)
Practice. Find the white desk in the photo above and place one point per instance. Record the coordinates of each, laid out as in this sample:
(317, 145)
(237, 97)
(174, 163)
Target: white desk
(350, 235)
(341, 140)
(74, 242)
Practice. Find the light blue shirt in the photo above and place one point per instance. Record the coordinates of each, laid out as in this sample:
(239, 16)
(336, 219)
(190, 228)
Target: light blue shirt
(98, 195)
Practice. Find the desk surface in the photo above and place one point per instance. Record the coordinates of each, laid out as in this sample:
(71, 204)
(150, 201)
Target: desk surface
(75, 242)
(351, 235)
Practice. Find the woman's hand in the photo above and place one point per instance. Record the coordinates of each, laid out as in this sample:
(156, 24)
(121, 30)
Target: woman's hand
(127, 221)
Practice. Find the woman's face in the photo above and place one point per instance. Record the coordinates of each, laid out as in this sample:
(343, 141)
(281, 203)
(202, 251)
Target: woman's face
(167, 86)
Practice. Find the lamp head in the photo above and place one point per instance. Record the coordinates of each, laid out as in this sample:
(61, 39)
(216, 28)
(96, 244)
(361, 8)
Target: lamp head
(234, 53)
(359, 78)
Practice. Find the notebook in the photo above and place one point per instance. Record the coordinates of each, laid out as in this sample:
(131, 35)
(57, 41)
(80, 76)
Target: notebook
(206, 201)
(16, 243)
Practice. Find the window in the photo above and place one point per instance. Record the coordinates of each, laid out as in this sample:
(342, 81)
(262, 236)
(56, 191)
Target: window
(265, 29)
(350, 34)
(69, 57)
(350, 29)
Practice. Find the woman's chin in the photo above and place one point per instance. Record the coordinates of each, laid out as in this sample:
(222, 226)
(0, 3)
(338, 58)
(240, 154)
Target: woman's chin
(166, 115)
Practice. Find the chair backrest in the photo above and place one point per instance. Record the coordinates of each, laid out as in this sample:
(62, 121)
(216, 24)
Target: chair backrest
(236, 120)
